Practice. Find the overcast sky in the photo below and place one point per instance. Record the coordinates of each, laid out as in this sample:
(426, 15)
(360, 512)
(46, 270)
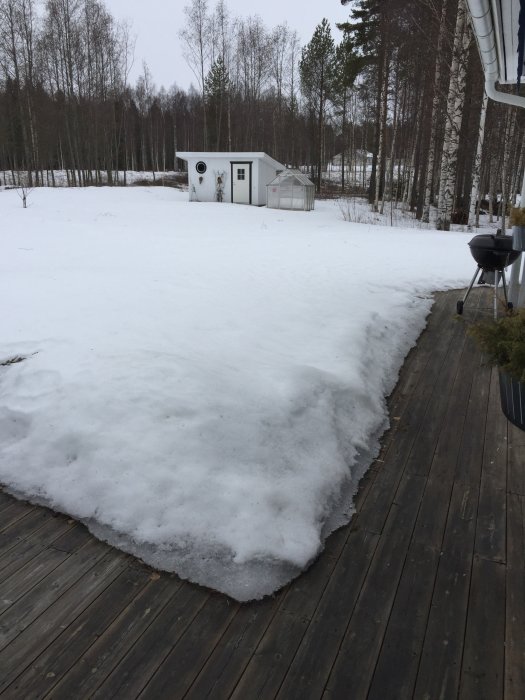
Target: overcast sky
(156, 25)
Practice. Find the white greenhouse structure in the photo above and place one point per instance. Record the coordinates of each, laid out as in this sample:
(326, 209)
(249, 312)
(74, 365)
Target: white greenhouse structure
(290, 190)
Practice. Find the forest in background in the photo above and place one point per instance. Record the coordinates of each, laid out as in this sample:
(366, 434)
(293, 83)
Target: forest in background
(399, 86)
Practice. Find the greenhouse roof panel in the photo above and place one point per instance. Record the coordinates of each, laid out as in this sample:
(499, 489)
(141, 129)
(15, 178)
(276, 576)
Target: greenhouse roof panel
(292, 178)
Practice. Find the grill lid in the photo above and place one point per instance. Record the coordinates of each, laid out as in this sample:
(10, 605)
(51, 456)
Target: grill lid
(492, 252)
(491, 241)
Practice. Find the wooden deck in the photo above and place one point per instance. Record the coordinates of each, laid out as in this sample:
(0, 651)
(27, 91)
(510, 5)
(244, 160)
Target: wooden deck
(421, 596)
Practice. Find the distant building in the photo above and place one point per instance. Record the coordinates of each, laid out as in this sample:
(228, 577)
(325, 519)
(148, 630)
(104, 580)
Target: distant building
(361, 158)
(237, 177)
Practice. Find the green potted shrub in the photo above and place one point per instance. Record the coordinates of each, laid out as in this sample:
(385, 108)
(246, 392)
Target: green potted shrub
(503, 341)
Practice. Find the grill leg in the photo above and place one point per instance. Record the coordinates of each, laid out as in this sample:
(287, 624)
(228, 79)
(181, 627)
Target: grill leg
(505, 293)
(478, 270)
(496, 282)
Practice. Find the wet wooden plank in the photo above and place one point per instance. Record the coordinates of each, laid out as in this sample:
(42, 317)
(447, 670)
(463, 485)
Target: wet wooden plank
(134, 671)
(13, 512)
(491, 540)
(309, 670)
(516, 460)
(47, 617)
(440, 662)
(231, 654)
(365, 632)
(22, 568)
(483, 656)
(515, 600)
(27, 546)
(98, 662)
(470, 458)
(183, 664)
(418, 364)
(74, 538)
(398, 659)
(30, 527)
(418, 434)
(25, 604)
(269, 664)
(54, 662)
(5, 500)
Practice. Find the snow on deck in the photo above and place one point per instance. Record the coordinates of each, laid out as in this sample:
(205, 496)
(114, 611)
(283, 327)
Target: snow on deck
(204, 383)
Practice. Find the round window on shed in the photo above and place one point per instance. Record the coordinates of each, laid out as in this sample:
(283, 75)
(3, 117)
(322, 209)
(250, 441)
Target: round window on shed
(201, 167)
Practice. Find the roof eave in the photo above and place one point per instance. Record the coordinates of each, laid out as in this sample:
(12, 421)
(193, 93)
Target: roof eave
(488, 37)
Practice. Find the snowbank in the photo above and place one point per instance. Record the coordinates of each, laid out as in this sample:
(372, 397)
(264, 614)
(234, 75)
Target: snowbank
(204, 383)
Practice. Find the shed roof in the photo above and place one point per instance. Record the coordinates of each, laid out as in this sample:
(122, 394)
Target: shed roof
(231, 155)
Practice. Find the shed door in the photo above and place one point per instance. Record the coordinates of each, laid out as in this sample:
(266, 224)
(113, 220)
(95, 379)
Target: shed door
(241, 183)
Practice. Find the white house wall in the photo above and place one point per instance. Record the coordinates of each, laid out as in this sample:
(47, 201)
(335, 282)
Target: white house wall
(266, 174)
(205, 191)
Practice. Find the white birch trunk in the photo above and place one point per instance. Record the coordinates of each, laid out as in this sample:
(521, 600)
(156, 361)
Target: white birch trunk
(435, 111)
(392, 150)
(382, 129)
(407, 192)
(517, 171)
(491, 190)
(454, 117)
(476, 175)
(510, 123)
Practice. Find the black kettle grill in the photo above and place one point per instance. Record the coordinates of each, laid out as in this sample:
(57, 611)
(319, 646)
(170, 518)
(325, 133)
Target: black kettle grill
(493, 253)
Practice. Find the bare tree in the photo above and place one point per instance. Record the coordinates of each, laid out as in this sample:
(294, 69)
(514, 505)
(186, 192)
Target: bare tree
(198, 45)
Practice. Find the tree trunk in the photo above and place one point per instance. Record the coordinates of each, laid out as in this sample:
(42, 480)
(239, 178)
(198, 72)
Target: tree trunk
(380, 171)
(436, 108)
(454, 116)
(476, 174)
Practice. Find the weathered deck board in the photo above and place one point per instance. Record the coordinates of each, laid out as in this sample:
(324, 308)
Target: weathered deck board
(515, 599)
(421, 595)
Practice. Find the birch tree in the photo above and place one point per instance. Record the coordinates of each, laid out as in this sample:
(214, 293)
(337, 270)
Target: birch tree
(383, 110)
(473, 217)
(198, 46)
(224, 38)
(436, 109)
(17, 30)
(454, 116)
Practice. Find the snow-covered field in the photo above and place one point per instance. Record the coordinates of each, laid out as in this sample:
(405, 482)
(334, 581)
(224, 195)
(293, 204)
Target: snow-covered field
(204, 384)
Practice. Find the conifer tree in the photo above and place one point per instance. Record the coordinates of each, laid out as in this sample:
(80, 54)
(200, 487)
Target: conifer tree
(346, 69)
(365, 29)
(316, 69)
(217, 88)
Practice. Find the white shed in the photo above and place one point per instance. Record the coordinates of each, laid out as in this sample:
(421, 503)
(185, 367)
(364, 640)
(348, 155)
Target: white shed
(230, 177)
